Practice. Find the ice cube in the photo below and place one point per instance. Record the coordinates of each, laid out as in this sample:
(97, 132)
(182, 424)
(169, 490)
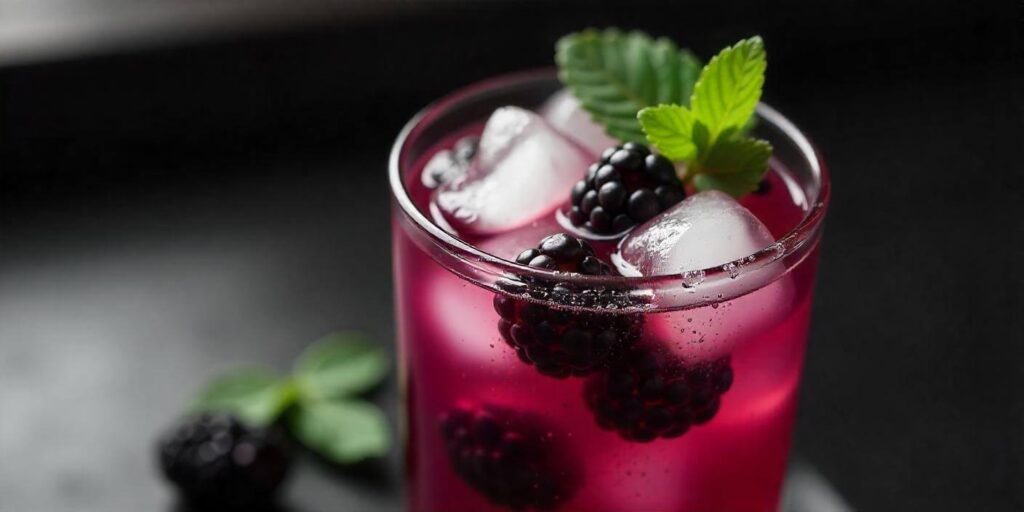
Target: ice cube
(564, 112)
(706, 230)
(442, 168)
(449, 165)
(709, 230)
(523, 170)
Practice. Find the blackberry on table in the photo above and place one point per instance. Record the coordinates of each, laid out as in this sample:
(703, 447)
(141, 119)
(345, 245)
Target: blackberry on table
(628, 186)
(216, 462)
(650, 392)
(562, 342)
(510, 457)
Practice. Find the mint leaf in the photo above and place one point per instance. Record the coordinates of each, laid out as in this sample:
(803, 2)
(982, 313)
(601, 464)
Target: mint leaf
(734, 166)
(670, 129)
(340, 365)
(737, 155)
(343, 431)
(710, 137)
(254, 395)
(730, 86)
(615, 74)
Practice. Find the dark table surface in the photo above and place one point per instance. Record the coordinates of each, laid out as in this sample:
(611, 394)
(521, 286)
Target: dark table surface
(164, 214)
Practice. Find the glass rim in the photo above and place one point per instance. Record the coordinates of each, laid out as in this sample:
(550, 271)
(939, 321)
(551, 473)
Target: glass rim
(792, 242)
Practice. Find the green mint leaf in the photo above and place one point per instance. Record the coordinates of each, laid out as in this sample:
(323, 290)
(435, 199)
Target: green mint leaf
(614, 75)
(669, 128)
(710, 136)
(253, 395)
(730, 86)
(734, 166)
(343, 431)
(340, 365)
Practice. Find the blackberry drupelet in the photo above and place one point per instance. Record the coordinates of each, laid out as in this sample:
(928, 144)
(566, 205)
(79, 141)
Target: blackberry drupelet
(564, 253)
(628, 186)
(563, 342)
(510, 457)
(650, 393)
(216, 462)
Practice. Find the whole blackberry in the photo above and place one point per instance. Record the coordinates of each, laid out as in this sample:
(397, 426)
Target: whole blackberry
(627, 186)
(216, 462)
(650, 393)
(562, 342)
(511, 458)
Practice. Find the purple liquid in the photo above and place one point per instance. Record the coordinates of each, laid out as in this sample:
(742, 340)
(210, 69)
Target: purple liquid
(454, 359)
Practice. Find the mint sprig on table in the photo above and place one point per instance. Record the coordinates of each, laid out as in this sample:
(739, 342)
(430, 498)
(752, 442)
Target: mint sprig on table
(701, 125)
(319, 400)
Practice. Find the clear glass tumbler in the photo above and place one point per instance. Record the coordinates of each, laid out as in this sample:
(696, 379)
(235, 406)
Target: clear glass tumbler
(695, 416)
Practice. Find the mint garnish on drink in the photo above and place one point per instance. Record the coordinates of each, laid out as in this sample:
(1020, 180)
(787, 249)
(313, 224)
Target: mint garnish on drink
(615, 75)
(319, 400)
(642, 89)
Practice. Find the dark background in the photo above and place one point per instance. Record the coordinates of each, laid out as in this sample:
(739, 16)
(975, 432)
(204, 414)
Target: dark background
(188, 185)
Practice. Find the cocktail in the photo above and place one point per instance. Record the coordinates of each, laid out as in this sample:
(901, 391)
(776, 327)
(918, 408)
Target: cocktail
(603, 284)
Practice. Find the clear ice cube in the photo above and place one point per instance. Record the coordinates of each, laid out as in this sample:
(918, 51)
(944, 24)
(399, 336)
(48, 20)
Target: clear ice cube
(564, 112)
(706, 230)
(523, 170)
(709, 230)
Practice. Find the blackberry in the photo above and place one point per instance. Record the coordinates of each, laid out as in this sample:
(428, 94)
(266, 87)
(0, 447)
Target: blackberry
(627, 186)
(510, 457)
(650, 393)
(216, 462)
(563, 342)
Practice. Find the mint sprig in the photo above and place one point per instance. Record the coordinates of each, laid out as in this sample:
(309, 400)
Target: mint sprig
(650, 91)
(319, 400)
(729, 87)
(709, 137)
(615, 74)
(733, 165)
(340, 365)
(670, 130)
(344, 431)
(254, 395)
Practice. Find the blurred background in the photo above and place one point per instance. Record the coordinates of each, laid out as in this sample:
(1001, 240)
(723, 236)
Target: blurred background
(189, 184)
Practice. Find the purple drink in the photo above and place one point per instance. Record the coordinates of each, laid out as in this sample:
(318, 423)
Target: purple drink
(583, 389)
